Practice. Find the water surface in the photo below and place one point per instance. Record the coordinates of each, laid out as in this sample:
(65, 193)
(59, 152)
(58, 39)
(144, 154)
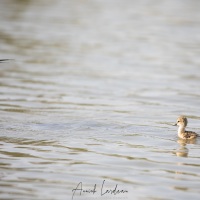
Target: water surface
(91, 95)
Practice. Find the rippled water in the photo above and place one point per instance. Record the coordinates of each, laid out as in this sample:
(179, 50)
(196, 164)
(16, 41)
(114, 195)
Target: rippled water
(91, 95)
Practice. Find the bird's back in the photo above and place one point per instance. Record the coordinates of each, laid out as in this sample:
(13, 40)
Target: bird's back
(189, 135)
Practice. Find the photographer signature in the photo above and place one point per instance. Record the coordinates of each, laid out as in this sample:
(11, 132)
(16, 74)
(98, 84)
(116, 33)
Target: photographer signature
(79, 190)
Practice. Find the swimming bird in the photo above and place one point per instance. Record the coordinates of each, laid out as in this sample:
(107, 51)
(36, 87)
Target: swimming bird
(182, 133)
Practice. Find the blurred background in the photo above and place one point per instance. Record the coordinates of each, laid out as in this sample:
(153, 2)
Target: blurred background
(91, 93)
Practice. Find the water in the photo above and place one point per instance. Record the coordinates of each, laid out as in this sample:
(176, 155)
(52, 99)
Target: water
(91, 95)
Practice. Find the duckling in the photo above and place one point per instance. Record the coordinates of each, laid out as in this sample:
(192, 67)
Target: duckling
(182, 133)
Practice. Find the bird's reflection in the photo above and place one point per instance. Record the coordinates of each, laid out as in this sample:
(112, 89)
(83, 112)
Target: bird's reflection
(183, 151)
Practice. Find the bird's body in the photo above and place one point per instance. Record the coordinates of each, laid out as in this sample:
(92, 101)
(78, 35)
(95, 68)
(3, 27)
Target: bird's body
(182, 133)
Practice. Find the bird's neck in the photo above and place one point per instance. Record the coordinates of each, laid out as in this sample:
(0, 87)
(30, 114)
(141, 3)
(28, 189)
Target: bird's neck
(181, 129)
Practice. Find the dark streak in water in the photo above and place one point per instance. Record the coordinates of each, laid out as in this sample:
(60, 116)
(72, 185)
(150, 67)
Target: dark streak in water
(5, 60)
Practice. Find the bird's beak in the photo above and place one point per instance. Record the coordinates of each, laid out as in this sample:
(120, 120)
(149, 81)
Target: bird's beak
(175, 124)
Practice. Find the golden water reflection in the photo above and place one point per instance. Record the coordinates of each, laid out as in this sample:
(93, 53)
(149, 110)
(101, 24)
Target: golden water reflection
(183, 151)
